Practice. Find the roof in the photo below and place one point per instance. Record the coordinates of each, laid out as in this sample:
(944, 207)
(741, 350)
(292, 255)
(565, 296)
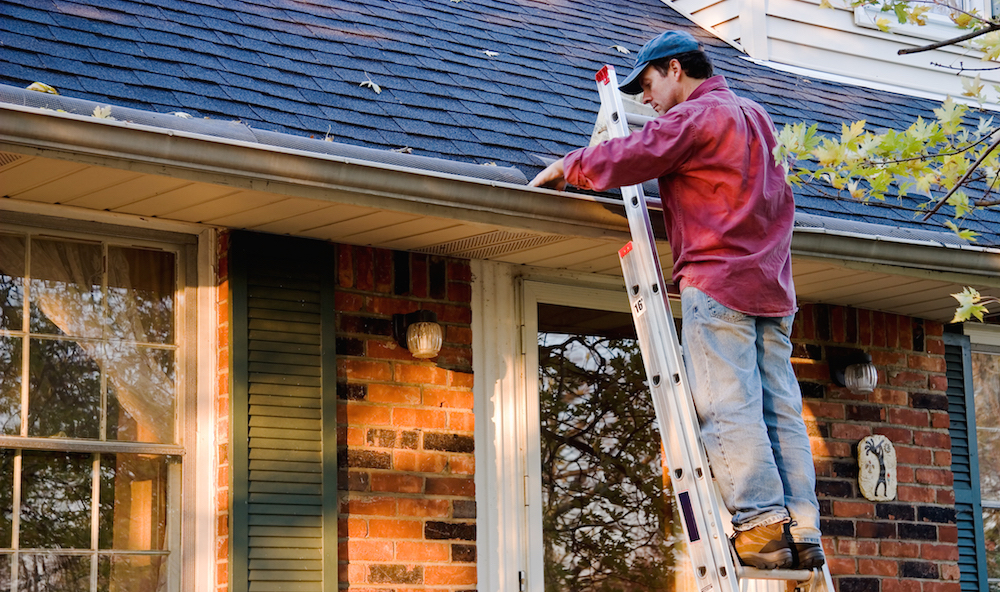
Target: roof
(500, 82)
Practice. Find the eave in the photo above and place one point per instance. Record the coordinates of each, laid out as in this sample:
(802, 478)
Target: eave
(81, 163)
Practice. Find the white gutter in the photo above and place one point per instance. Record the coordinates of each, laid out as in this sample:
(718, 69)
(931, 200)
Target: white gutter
(325, 177)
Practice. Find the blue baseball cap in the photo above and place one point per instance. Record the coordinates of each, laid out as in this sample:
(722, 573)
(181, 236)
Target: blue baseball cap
(669, 43)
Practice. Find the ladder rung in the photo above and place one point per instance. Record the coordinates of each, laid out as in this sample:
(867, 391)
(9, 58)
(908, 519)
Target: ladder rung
(794, 575)
(636, 119)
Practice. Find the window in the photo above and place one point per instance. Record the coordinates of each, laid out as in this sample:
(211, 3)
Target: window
(938, 27)
(91, 392)
(986, 386)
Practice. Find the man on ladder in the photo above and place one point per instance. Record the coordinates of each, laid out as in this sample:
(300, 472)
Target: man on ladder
(729, 214)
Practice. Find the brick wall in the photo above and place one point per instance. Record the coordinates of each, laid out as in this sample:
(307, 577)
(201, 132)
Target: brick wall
(405, 426)
(910, 543)
(222, 416)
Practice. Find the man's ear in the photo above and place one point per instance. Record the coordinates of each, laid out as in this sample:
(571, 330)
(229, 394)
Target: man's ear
(676, 70)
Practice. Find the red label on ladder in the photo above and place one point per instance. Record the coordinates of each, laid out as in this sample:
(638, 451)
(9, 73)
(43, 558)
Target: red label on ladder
(602, 74)
(625, 250)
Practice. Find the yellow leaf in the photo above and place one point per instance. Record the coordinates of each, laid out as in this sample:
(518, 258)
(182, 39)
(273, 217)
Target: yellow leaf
(968, 305)
(883, 24)
(103, 113)
(42, 87)
(973, 87)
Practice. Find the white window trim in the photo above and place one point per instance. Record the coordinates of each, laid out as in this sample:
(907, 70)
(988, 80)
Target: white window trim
(508, 466)
(938, 27)
(198, 523)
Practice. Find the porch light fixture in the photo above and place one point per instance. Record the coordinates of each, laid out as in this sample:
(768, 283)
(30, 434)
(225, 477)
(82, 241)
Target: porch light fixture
(852, 368)
(419, 332)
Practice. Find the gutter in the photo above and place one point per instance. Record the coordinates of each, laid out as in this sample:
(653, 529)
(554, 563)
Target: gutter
(245, 164)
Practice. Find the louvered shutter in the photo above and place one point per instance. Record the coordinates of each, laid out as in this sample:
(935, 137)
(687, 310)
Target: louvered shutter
(284, 426)
(965, 464)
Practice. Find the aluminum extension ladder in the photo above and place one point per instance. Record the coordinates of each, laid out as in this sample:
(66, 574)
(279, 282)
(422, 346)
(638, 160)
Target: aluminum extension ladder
(716, 568)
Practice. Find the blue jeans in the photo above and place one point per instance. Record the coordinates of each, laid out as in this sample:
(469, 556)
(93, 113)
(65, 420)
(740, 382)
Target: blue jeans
(750, 407)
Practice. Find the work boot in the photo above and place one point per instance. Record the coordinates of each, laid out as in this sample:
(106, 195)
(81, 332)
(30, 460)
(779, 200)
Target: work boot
(764, 547)
(805, 555)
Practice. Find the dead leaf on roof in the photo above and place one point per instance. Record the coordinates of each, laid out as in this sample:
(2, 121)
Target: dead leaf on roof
(403, 150)
(489, 54)
(103, 113)
(621, 49)
(371, 84)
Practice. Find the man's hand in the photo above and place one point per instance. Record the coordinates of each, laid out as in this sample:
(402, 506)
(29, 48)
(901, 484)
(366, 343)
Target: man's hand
(552, 176)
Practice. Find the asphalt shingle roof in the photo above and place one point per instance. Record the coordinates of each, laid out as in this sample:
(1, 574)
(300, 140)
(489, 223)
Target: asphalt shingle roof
(296, 68)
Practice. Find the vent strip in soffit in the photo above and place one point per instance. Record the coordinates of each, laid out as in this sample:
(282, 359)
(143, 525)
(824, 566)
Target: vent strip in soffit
(490, 244)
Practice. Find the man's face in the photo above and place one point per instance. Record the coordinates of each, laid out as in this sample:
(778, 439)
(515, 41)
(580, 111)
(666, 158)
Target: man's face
(661, 91)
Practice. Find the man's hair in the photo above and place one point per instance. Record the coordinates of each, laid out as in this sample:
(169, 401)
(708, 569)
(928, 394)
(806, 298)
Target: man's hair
(694, 63)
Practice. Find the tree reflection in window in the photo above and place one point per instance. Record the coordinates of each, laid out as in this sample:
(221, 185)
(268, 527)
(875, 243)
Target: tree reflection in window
(607, 518)
(986, 382)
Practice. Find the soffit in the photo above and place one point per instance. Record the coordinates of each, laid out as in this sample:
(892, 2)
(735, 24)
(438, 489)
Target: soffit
(32, 181)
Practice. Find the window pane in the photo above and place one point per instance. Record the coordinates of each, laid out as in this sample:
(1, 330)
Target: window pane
(11, 282)
(986, 382)
(55, 500)
(607, 524)
(122, 573)
(133, 502)
(140, 393)
(6, 503)
(55, 573)
(991, 529)
(10, 385)
(65, 290)
(5, 572)
(988, 442)
(141, 294)
(64, 390)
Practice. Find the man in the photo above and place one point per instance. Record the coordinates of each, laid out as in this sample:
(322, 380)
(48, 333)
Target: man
(729, 214)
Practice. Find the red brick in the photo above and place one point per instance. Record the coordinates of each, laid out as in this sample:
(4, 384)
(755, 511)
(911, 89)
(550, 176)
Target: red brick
(947, 533)
(940, 419)
(877, 567)
(911, 455)
(458, 334)
(419, 418)
(424, 508)
(935, 476)
(456, 486)
(363, 414)
(396, 529)
(347, 302)
(949, 572)
(461, 379)
(810, 369)
(369, 506)
(879, 328)
(865, 336)
(899, 549)
(932, 552)
(393, 393)
(422, 552)
(841, 565)
(381, 349)
(364, 261)
(927, 363)
(419, 461)
(889, 397)
(843, 509)
(946, 497)
(907, 379)
(813, 409)
(384, 305)
(365, 550)
(457, 314)
(905, 332)
(351, 527)
(838, 324)
(856, 548)
(848, 431)
(912, 417)
(459, 292)
(904, 474)
(397, 483)
(460, 399)
(353, 573)
(932, 439)
(896, 435)
(884, 358)
(938, 383)
(363, 370)
(450, 575)
(462, 464)
(831, 449)
(345, 266)
(418, 275)
(462, 422)
(459, 357)
(900, 585)
(383, 271)
(459, 271)
(912, 493)
(421, 374)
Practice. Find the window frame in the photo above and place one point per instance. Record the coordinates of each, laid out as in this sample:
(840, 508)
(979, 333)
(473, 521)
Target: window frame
(191, 538)
(938, 28)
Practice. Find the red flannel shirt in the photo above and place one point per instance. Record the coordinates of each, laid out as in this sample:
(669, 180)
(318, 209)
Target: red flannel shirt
(727, 207)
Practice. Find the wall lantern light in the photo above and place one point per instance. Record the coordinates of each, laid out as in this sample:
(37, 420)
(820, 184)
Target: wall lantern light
(418, 332)
(853, 369)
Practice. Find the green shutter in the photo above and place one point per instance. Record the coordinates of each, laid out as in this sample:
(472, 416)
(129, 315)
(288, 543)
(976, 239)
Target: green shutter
(283, 462)
(965, 464)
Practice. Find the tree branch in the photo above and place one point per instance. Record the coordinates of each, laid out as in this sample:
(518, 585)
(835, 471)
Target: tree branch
(970, 35)
(954, 188)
